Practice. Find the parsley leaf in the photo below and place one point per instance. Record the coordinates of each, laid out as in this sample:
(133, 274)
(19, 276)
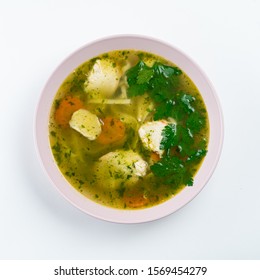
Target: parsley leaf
(197, 155)
(137, 86)
(173, 172)
(179, 141)
(169, 137)
(196, 122)
(186, 101)
(136, 90)
(165, 76)
(176, 135)
(166, 71)
(167, 166)
(145, 76)
(186, 141)
(183, 106)
(164, 109)
(156, 79)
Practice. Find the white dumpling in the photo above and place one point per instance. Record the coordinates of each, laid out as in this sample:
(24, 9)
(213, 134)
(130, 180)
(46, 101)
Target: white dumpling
(86, 123)
(119, 168)
(103, 79)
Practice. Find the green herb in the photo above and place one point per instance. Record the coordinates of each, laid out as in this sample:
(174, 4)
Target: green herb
(169, 137)
(57, 103)
(156, 79)
(135, 86)
(78, 80)
(196, 122)
(145, 76)
(173, 171)
(81, 183)
(161, 83)
(164, 109)
(178, 136)
(57, 152)
(197, 155)
(167, 166)
(57, 147)
(118, 174)
(70, 173)
(186, 101)
(165, 79)
(121, 190)
(67, 153)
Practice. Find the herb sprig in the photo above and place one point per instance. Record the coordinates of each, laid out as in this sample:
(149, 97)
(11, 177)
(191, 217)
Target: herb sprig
(180, 139)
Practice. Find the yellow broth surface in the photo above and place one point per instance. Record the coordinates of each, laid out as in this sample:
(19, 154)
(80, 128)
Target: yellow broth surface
(128, 129)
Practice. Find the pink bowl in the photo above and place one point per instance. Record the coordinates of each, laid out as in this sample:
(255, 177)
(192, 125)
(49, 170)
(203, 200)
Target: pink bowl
(170, 53)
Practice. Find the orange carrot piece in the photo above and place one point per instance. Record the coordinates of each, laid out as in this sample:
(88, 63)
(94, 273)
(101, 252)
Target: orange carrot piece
(66, 108)
(155, 157)
(113, 130)
(135, 199)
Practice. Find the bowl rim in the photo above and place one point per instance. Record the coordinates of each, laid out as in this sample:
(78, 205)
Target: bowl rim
(75, 197)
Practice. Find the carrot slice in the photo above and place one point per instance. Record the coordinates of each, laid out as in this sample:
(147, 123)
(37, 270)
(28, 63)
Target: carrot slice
(135, 199)
(155, 157)
(113, 130)
(66, 108)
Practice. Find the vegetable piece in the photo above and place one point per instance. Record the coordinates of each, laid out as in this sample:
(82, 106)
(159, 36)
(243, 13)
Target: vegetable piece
(155, 157)
(113, 130)
(66, 108)
(86, 123)
(135, 199)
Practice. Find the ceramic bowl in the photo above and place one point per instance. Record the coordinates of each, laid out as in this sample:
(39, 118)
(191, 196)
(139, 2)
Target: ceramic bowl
(157, 47)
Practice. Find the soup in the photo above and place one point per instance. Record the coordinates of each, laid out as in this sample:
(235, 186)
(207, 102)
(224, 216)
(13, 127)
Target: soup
(128, 129)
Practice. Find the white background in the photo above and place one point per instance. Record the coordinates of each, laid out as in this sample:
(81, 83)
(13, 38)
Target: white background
(223, 222)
